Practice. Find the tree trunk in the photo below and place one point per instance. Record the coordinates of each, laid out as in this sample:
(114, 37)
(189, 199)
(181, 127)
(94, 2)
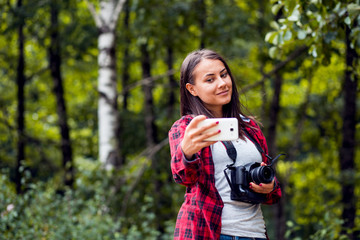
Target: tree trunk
(172, 83)
(263, 114)
(108, 115)
(273, 115)
(151, 131)
(347, 150)
(271, 140)
(201, 10)
(20, 102)
(126, 59)
(55, 68)
(125, 79)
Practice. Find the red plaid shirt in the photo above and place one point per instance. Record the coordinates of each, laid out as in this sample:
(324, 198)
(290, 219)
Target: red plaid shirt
(200, 215)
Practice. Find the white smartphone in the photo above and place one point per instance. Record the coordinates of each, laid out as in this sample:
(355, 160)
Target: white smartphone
(228, 126)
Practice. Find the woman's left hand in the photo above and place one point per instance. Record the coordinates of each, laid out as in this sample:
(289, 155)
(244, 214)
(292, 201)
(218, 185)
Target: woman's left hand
(264, 188)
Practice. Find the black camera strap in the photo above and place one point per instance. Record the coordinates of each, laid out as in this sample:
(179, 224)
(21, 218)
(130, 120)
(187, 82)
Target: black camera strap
(231, 151)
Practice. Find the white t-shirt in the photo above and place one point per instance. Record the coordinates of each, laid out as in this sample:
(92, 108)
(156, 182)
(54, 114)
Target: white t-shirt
(238, 218)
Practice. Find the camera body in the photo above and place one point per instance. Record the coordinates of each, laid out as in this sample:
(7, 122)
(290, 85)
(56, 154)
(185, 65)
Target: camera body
(241, 176)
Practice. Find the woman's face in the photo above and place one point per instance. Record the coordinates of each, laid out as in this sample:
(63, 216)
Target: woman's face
(212, 84)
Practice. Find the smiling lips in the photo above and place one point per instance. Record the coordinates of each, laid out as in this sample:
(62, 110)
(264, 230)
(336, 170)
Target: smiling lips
(223, 92)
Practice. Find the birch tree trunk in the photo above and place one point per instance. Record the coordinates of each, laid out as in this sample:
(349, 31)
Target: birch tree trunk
(108, 116)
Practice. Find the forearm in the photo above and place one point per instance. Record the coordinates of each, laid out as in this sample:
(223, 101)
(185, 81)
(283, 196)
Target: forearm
(185, 171)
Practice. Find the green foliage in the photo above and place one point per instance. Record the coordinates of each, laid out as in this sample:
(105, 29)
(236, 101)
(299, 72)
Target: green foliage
(42, 212)
(140, 199)
(327, 228)
(316, 24)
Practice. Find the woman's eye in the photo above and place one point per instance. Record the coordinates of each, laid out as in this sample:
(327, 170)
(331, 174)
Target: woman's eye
(209, 80)
(224, 75)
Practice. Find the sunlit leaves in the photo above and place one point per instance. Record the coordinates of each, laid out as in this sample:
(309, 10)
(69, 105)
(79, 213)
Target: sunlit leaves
(315, 23)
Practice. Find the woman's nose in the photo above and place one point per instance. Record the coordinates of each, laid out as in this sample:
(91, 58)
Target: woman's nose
(222, 82)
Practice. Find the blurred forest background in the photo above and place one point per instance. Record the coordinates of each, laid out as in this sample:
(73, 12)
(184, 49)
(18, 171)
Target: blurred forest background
(89, 90)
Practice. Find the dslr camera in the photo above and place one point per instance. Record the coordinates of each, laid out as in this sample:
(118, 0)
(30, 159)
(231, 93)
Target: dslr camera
(241, 176)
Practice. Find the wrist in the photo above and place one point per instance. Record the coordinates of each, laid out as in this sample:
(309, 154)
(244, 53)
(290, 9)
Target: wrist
(188, 156)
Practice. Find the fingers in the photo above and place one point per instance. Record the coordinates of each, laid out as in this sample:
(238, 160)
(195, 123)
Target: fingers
(204, 129)
(201, 132)
(264, 188)
(194, 122)
(194, 136)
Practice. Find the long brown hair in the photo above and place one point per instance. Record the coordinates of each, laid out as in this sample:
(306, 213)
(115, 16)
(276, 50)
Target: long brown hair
(193, 105)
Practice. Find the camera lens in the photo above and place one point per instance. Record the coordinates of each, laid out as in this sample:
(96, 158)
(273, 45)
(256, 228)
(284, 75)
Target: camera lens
(263, 174)
(267, 173)
(231, 129)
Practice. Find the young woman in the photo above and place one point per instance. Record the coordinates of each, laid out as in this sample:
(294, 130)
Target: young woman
(208, 91)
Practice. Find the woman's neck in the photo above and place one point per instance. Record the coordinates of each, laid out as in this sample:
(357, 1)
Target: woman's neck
(217, 114)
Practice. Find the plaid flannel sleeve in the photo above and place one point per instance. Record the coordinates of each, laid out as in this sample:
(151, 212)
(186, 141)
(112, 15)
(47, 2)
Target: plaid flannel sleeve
(185, 171)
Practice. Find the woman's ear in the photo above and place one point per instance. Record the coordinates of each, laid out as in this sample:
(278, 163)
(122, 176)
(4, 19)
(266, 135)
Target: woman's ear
(191, 89)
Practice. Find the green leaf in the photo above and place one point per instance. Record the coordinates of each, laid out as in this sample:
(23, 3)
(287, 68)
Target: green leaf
(274, 25)
(313, 52)
(313, 8)
(271, 37)
(353, 7)
(295, 15)
(291, 5)
(353, 10)
(287, 35)
(276, 8)
(347, 21)
(301, 34)
(337, 7)
(273, 51)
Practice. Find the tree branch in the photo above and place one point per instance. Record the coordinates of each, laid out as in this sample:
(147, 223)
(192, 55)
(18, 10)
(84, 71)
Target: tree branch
(148, 80)
(94, 14)
(27, 138)
(116, 14)
(41, 71)
(296, 53)
(149, 152)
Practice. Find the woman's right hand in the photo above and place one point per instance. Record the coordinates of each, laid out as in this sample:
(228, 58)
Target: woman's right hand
(194, 136)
